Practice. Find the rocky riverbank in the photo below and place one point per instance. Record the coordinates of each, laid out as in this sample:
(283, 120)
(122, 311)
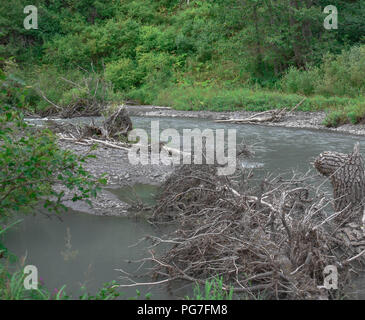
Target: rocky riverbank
(296, 119)
(120, 173)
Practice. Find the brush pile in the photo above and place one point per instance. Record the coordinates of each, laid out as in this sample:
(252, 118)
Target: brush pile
(271, 240)
(113, 132)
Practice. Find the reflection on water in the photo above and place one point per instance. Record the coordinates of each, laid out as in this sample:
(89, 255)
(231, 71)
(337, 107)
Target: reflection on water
(138, 193)
(86, 250)
(69, 254)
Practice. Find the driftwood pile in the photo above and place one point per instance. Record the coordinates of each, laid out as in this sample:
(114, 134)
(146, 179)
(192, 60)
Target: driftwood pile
(270, 241)
(117, 125)
(113, 132)
(86, 96)
(275, 115)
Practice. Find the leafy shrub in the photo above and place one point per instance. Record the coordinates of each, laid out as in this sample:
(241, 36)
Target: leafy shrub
(68, 92)
(338, 75)
(156, 66)
(343, 75)
(299, 81)
(156, 69)
(213, 290)
(153, 38)
(334, 119)
(32, 163)
(110, 41)
(222, 99)
(352, 113)
(123, 74)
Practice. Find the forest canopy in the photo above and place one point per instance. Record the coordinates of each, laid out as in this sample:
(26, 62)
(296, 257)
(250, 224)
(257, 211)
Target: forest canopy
(155, 51)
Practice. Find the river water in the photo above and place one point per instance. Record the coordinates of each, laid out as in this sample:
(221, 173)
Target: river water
(82, 249)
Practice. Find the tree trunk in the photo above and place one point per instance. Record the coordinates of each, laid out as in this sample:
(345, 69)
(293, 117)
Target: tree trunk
(346, 173)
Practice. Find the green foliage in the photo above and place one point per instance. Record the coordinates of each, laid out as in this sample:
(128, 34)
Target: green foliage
(299, 81)
(147, 48)
(334, 119)
(343, 75)
(12, 287)
(50, 90)
(223, 99)
(123, 74)
(138, 296)
(107, 292)
(339, 75)
(32, 163)
(213, 290)
(351, 113)
(94, 43)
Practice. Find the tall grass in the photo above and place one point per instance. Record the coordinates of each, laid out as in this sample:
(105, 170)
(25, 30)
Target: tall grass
(351, 113)
(341, 75)
(222, 99)
(213, 290)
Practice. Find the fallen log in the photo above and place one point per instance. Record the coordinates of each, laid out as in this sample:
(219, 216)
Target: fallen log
(347, 176)
(274, 115)
(266, 116)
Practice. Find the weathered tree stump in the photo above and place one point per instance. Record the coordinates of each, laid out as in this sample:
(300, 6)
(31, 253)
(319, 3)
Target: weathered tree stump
(347, 175)
(118, 124)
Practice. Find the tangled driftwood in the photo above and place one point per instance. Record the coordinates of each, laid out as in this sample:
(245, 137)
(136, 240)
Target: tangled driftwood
(111, 133)
(118, 124)
(261, 117)
(275, 115)
(271, 240)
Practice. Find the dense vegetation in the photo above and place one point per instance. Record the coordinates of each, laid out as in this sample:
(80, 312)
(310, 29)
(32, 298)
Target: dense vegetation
(221, 54)
(32, 165)
(197, 54)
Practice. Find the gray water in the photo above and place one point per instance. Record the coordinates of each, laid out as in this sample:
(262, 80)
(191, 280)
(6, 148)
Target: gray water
(86, 249)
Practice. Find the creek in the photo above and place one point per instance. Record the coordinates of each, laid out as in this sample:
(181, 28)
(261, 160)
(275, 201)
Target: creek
(81, 249)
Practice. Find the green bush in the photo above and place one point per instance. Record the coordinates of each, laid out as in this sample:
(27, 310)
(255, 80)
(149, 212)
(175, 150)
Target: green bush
(343, 75)
(299, 81)
(32, 163)
(123, 74)
(52, 91)
(95, 43)
(353, 113)
(338, 75)
(153, 38)
(222, 99)
(213, 290)
(334, 119)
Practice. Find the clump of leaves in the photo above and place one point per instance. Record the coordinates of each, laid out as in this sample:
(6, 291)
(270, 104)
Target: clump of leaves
(213, 290)
(32, 164)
